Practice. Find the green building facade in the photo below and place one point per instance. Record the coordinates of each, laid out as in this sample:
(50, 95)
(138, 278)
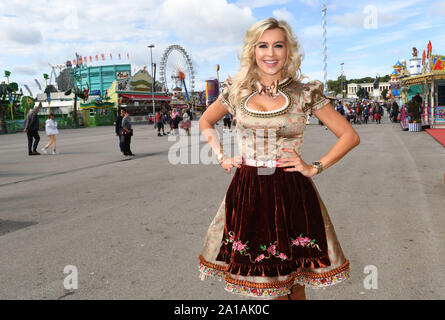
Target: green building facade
(100, 78)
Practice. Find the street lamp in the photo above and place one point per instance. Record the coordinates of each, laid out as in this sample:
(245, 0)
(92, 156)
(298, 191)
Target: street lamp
(341, 79)
(151, 46)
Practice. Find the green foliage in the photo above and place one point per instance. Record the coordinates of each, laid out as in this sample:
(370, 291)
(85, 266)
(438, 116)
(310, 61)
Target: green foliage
(7, 73)
(14, 86)
(27, 102)
(362, 94)
(415, 111)
(384, 93)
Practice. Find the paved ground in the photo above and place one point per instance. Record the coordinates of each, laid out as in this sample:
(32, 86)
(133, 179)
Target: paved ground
(134, 228)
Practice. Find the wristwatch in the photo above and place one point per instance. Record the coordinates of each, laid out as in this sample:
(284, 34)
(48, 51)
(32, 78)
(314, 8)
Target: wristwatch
(318, 165)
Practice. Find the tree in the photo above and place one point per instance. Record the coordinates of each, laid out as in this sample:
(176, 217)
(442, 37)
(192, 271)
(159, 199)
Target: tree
(384, 93)
(64, 80)
(9, 98)
(362, 94)
(415, 111)
(3, 95)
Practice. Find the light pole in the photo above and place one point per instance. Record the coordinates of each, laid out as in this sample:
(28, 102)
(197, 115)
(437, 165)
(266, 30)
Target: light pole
(151, 46)
(325, 51)
(341, 79)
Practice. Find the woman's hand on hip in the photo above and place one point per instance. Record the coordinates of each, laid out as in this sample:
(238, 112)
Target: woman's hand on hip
(228, 163)
(294, 163)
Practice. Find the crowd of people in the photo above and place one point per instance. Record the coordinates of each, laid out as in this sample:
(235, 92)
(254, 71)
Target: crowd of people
(365, 111)
(174, 119)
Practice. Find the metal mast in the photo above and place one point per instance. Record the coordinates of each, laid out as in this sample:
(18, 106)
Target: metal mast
(325, 52)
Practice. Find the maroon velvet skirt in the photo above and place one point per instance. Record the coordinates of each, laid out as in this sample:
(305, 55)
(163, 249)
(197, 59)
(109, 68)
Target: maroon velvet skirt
(273, 224)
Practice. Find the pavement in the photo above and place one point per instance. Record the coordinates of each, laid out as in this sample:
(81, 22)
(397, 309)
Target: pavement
(134, 228)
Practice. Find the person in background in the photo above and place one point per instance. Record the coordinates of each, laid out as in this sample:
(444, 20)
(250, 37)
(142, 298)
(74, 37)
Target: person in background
(118, 129)
(127, 132)
(170, 122)
(417, 98)
(394, 112)
(228, 122)
(377, 114)
(51, 131)
(189, 112)
(366, 114)
(176, 118)
(160, 124)
(186, 122)
(32, 130)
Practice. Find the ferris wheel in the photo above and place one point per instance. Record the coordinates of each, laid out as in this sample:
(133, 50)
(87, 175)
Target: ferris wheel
(176, 70)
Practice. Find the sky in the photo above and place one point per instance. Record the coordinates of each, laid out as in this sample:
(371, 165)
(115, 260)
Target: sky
(368, 37)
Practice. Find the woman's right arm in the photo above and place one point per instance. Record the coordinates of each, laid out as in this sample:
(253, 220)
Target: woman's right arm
(207, 125)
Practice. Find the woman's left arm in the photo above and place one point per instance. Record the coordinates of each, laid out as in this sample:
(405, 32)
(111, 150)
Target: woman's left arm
(347, 140)
(347, 136)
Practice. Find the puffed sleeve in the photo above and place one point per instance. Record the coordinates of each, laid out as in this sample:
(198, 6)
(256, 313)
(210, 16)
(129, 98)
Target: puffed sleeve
(313, 96)
(224, 99)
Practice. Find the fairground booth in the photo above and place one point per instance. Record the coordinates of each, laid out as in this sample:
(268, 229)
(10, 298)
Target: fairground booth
(135, 95)
(428, 79)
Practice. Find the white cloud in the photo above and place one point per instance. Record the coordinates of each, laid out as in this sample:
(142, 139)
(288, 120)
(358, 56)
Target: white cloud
(14, 31)
(24, 70)
(220, 22)
(283, 14)
(358, 19)
(377, 41)
(438, 8)
(259, 3)
(312, 3)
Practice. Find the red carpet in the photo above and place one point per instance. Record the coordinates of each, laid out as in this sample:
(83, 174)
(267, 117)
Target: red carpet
(438, 134)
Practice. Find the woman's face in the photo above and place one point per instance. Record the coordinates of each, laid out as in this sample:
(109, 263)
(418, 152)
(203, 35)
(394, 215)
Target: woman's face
(271, 52)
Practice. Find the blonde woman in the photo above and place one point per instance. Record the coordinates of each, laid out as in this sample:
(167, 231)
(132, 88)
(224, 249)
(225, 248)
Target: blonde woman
(272, 235)
(51, 131)
(186, 122)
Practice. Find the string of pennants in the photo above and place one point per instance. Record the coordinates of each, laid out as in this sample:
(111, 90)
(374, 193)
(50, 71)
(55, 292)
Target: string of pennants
(97, 57)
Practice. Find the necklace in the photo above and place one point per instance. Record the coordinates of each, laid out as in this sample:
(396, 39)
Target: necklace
(271, 91)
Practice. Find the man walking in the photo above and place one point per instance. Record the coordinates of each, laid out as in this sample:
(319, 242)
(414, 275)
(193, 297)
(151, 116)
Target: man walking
(127, 128)
(31, 126)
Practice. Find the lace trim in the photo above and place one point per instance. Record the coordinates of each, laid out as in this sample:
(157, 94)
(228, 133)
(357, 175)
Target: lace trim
(274, 289)
(309, 279)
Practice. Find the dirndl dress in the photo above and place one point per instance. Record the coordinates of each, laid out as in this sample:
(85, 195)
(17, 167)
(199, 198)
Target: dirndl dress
(272, 230)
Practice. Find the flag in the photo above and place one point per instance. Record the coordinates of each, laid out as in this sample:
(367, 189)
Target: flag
(423, 57)
(430, 49)
(85, 60)
(111, 56)
(91, 59)
(128, 56)
(97, 57)
(119, 56)
(74, 61)
(80, 60)
(103, 56)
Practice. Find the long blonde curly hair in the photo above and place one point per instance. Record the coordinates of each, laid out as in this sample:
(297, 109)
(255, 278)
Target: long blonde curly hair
(243, 83)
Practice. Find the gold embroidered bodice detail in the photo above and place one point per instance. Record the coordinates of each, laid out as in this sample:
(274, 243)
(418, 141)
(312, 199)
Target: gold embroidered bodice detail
(272, 113)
